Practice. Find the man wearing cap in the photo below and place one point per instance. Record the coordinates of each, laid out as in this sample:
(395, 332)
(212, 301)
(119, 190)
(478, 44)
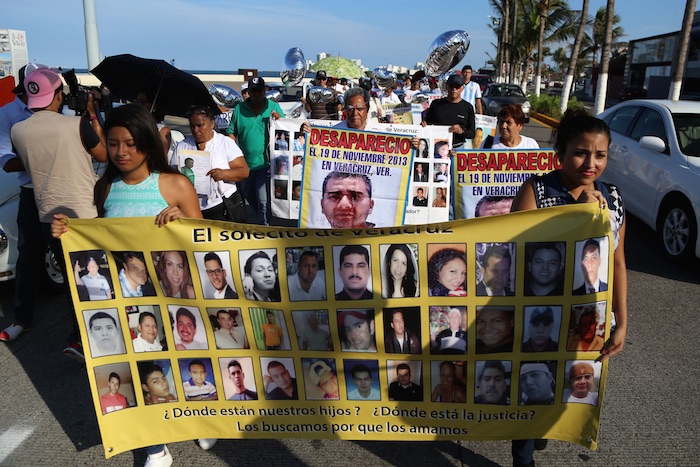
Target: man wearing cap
(29, 235)
(580, 385)
(356, 329)
(324, 377)
(454, 112)
(326, 110)
(249, 127)
(57, 151)
(472, 90)
(536, 384)
(541, 322)
(403, 389)
(354, 271)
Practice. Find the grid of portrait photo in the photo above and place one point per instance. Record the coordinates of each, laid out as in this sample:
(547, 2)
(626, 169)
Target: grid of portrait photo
(341, 322)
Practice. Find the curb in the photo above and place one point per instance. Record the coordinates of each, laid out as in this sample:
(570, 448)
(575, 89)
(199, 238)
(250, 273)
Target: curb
(545, 119)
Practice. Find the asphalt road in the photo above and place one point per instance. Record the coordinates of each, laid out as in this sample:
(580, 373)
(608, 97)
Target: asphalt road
(650, 417)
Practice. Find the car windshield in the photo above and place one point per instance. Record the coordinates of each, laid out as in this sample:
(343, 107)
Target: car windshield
(688, 133)
(506, 91)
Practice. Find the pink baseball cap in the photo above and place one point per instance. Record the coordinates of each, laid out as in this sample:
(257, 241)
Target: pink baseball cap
(41, 85)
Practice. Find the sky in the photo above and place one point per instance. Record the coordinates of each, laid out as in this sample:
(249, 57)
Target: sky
(226, 35)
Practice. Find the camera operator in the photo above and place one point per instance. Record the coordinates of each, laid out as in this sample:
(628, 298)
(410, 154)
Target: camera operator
(57, 152)
(77, 97)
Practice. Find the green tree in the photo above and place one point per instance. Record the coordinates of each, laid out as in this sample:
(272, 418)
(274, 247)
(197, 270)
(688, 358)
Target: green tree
(595, 37)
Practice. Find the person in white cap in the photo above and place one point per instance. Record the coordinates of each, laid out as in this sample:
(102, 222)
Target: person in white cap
(324, 377)
(57, 151)
(536, 384)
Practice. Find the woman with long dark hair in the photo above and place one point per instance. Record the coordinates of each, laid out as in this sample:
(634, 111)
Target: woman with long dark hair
(138, 182)
(399, 279)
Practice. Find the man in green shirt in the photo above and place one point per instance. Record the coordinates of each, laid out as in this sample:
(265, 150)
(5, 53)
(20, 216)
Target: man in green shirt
(250, 128)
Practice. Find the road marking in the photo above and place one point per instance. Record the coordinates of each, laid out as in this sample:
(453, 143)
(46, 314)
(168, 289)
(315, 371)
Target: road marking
(11, 439)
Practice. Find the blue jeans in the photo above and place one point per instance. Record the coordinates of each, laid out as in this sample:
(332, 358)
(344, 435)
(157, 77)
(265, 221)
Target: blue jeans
(256, 189)
(157, 449)
(522, 450)
(57, 250)
(31, 247)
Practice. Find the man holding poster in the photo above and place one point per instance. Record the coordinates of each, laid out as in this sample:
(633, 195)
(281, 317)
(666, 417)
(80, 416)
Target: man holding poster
(453, 111)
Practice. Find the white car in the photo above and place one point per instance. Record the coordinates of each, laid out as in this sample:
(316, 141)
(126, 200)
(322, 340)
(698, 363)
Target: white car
(9, 204)
(654, 158)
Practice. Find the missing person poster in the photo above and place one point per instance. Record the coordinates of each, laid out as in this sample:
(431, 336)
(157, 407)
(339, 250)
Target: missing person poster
(445, 331)
(287, 143)
(430, 178)
(354, 179)
(487, 180)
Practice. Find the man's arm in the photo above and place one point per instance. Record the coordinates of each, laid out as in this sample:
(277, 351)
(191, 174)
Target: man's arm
(91, 134)
(470, 129)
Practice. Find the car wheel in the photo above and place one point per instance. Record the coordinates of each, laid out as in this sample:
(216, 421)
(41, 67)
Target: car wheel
(52, 271)
(678, 230)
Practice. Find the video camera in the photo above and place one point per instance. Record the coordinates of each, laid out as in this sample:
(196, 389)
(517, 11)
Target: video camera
(77, 98)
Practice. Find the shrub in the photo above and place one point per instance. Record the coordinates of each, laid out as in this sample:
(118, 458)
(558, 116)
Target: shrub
(549, 105)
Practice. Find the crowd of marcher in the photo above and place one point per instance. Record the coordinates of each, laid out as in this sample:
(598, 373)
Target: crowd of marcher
(53, 156)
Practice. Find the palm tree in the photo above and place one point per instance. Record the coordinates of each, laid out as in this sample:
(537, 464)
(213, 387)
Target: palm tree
(678, 66)
(571, 70)
(557, 28)
(594, 39)
(543, 8)
(601, 91)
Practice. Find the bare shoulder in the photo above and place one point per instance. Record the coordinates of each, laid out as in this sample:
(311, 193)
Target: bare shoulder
(525, 198)
(174, 186)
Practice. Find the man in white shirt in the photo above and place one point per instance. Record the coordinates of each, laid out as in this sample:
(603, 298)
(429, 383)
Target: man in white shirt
(146, 341)
(307, 284)
(362, 377)
(229, 336)
(472, 91)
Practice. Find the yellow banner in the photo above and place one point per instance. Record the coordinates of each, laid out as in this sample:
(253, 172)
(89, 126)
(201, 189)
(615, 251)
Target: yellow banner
(209, 329)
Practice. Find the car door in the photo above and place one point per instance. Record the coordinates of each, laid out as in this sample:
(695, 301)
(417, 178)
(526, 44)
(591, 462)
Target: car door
(620, 123)
(646, 169)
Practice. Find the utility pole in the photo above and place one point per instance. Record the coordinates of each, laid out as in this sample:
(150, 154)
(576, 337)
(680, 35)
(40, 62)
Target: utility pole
(92, 43)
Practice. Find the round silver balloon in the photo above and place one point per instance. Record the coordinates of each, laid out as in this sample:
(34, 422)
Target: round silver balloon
(385, 78)
(442, 81)
(225, 95)
(446, 51)
(318, 94)
(274, 95)
(294, 67)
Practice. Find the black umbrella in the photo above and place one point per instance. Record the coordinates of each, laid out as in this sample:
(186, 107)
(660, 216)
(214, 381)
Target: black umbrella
(175, 91)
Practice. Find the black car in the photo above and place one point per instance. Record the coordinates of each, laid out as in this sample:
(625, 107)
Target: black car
(498, 96)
